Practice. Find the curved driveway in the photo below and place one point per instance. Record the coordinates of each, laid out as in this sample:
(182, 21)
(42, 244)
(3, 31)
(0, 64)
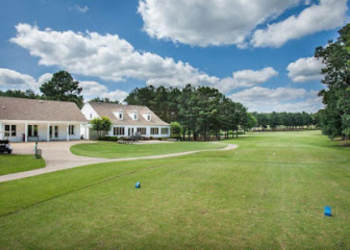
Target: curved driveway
(58, 157)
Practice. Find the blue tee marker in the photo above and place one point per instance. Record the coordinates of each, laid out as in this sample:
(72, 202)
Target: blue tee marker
(327, 211)
(138, 185)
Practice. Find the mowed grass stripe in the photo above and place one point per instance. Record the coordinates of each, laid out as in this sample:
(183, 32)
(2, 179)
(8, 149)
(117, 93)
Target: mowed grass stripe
(115, 150)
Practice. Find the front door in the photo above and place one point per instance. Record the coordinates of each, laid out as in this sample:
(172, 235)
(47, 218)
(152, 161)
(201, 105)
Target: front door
(53, 132)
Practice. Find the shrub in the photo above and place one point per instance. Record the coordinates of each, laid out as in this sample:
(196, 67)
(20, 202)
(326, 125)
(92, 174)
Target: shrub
(109, 138)
(176, 129)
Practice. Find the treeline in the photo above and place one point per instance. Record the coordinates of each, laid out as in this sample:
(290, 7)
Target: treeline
(201, 111)
(20, 94)
(285, 120)
(335, 118)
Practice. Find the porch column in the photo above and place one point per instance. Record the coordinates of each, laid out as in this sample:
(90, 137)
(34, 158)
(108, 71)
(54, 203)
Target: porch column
(48, 132)
(67, 131)
(26, 132)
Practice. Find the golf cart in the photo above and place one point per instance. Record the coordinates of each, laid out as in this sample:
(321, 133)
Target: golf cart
(5, 146)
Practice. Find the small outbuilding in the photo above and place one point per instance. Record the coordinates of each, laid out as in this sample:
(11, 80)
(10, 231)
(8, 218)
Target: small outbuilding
(25, 120)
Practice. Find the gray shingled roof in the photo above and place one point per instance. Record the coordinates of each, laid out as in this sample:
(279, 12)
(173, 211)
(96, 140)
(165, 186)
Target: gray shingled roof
(35, 110)
(107, 109)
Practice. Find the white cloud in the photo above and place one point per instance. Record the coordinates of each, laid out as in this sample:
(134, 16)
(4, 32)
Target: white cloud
(92, 89)
(280, 99)
(246, 78)
(81, 9)
(327, 15)
(209, 22)
(113, 59)
(10, 79)
(45, 78)
(116, 95)
(305, 69)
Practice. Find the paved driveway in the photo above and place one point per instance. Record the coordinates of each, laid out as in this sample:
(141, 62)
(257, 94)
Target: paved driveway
(58, 157)
(57, 154)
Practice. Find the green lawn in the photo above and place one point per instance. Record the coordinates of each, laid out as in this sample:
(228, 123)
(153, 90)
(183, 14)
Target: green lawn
(19, 163)
(267, 194)
(115, 150)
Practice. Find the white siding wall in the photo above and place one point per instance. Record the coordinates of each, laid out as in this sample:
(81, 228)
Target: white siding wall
(89, 112)
(19, 131)
(42, 131)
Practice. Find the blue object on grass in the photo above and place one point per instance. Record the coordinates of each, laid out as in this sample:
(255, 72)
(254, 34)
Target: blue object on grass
(138, 184)
(327, 211)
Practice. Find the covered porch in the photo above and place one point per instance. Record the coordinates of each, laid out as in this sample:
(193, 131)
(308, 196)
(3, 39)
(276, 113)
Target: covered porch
(30, 131)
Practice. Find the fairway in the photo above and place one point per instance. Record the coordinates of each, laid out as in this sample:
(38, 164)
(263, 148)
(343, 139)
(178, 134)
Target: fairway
(115, 150)
(267, 194)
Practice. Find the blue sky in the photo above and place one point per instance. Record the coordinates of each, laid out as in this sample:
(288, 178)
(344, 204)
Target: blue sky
(256, 52)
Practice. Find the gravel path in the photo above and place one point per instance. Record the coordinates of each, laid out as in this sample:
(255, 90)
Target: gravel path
(58, 157)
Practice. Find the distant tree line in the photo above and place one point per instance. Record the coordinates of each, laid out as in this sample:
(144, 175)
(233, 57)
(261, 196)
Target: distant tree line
(285, 121)
(20, 94)
(335, 117)
(201, 111)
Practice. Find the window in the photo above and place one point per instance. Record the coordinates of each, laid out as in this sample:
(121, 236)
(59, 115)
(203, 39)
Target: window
(90, 116)
(120, 116)
(165, 131)
(154, 131)
(118, 131)
(142, 131)
(35, 128)
(13, 130)
(135, 117)
(7, 130)
(148, 117)
(50, 132)
(56, 131)
(10, 130)
(71, 130)
(32, 130)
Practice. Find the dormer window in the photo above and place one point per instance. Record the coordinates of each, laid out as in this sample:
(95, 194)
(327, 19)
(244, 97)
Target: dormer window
(119, 115)
(135, 115)
(148, 116)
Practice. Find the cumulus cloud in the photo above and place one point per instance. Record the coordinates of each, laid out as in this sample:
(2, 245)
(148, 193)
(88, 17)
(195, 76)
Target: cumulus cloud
(326, 15)
(305, 69)
(10, 79)
(44, 78)
(281, 99)
(210, 22)
(113, 59)
(92, 89)
(246, 78)
(116, 95)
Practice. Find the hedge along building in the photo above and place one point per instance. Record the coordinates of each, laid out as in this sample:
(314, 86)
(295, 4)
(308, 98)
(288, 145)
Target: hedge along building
(31, 120)
(127, 120)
